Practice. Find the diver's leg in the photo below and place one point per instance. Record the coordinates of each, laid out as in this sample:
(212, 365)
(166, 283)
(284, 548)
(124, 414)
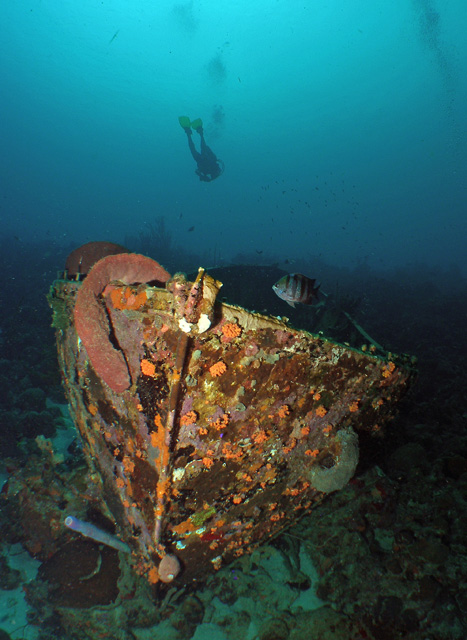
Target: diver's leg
(204, 146)
(194, 153)
(207, 153)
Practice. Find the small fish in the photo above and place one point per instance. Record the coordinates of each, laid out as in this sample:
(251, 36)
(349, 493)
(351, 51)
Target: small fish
(295, 287)
(114, 36)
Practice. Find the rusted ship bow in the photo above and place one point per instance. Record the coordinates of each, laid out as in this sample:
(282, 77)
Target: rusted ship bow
(208, 428)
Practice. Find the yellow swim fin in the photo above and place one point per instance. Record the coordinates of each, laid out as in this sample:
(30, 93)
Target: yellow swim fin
(184, 122)
(197, 124)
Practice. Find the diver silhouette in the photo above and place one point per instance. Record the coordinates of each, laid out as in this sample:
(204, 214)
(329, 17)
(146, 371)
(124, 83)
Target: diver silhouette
(209, 167)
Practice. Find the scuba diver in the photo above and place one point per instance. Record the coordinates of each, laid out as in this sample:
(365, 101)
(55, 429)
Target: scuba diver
(209, 166)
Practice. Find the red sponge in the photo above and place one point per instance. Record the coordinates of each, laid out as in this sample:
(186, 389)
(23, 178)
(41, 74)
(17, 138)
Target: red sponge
(80, 261)
(91, 320)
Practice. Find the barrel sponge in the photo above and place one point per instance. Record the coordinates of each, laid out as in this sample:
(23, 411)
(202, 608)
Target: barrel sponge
(336, 477)
(91, 318)
(80, 261)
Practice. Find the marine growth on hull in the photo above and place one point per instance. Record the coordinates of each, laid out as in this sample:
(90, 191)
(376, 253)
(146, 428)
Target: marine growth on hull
(208, 428)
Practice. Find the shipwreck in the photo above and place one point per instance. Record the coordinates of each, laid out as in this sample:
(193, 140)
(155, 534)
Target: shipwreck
(207, 428)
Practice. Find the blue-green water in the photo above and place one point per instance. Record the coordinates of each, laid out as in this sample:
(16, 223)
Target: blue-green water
(341, 123)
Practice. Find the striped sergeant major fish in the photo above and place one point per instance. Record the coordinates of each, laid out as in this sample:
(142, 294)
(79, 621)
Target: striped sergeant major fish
(295, 287)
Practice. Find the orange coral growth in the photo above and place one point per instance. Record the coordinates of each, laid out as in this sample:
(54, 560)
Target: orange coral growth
(148, 368)
(260, 437)
(184, 527)
(353, 407)
(284, 411)
(203, 431)
(157, 439)
(120, 483)
(126, 299)
(153, 575)
(117, 298)
(388, 369)
(218, 369)
(230, 453)
(321, 411)
(231, 330)
(135, 300)
(237, 499)
(161, 490)
(208, 462)
(304, 432)
(189, 418)
(221, 422)
(290, 446)
(311, 453)
(317, 396)
(92, 409)
(128, 464)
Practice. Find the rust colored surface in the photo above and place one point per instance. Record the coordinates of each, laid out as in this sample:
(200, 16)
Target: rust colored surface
(233, 425)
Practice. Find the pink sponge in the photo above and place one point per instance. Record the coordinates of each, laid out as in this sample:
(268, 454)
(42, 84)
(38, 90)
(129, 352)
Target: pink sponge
(91, 320)
(90, 530)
